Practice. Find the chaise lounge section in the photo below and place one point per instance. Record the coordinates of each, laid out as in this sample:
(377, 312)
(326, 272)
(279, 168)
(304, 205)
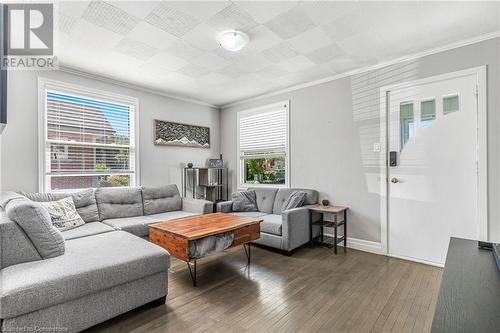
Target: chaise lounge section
(75, 279)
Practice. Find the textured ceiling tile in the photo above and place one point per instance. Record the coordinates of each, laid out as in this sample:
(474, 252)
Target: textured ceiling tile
(152, 36)
(340, 65)
(232, 17)
(171, 20)
(184, 50)
(290, 23)
(261, 38)
(310, 40)
(214, 79)
(135, 49)
(322, 12)
(65, 23)
(296, 64)
(232, 71)
(72, 8)
(203, 36)
(263, 11)
(271, 72)
(325, 54)
(149, 69)
(91, 36)
(139, 9)
(280, 52)
(167, 61)
(212, 61)
(348, 25)
(252, 62)
(201, 10)
(193, 71)
(110, 17)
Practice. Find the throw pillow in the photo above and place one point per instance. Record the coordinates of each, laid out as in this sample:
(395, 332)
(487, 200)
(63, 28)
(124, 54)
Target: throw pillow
(63, 214)
(294, 200)
(244, 201)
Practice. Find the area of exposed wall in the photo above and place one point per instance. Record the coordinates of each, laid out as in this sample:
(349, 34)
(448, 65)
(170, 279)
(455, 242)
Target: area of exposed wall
(335, 124)
(158, 164)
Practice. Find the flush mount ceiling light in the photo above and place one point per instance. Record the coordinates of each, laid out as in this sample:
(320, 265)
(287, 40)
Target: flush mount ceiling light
(233, 40)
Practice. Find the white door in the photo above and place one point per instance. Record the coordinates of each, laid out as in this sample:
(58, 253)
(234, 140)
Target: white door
(432, 191)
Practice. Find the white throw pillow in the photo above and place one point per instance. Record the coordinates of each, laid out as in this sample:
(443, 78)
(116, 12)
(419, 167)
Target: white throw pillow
(63, 214)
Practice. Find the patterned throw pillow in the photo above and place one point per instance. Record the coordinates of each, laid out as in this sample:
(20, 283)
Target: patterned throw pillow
(295, 199)
(63, 214)
(244, 201)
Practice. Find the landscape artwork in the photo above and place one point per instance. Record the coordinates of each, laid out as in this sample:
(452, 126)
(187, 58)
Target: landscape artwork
(167, 133)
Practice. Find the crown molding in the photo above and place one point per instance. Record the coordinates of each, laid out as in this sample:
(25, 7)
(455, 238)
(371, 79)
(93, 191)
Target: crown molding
(105, 79)
(413, 56)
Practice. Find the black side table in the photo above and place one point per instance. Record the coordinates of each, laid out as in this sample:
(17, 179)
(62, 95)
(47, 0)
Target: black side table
(339, 219)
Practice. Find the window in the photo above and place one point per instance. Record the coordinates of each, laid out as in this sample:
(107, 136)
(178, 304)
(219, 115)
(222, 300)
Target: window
(427, 112)
(263, 146)
(450, 104)
(87, 138)
(406, 123)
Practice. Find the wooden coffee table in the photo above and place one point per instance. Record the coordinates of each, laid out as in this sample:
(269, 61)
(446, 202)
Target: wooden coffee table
(175, 235)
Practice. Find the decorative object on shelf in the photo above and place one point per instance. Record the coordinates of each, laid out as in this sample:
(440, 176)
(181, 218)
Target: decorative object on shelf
(168, 133)
(325, 202)
(215, 163)
(190, 165)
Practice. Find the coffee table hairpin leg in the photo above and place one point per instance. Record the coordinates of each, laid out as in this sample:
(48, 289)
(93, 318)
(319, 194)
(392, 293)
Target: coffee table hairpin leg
(247, 253)
(192, 272)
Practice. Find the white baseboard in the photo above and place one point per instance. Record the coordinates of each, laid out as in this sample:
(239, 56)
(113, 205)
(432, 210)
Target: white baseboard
(362, 245)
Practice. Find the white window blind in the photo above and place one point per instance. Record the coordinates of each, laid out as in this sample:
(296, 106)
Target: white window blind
(88, 141)
(263, 145)
(264, 133)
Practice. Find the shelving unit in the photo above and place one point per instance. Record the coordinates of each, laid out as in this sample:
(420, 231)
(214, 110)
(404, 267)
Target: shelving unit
(205, 183)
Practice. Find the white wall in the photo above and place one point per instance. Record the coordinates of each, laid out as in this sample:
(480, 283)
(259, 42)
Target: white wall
(158, 164)
(334, 125)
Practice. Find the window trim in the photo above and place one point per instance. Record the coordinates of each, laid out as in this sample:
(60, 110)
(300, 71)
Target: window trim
(45, 85)
(239, 168)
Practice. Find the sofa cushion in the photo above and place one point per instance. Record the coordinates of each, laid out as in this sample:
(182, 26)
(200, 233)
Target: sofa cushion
(63, 214)
(37, 224)
(265, 198)
(249, 214)
(271, 224)
(161, 199)
(294, 200)
(119, 202)
(137, 225)
(85, 202)
(283, 194)
(88, 229)
(244, 201)
(90, 265)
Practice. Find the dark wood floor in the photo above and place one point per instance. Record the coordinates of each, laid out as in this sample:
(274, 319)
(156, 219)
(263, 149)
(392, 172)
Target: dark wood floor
(311, 291)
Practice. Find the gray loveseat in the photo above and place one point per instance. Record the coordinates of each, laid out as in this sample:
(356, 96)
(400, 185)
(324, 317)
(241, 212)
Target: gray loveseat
(75, 279)
(283, 230)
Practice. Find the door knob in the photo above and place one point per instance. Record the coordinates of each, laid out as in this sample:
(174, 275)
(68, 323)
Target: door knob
(394, 180)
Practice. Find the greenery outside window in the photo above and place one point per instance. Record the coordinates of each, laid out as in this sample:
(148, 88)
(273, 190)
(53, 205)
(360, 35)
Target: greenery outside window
(263, 146)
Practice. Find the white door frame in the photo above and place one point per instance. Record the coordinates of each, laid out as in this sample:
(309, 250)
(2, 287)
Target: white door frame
(482, 157)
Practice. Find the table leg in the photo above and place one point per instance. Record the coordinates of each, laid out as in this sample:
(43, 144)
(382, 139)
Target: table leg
(322, 227)
(192, 273)
(247, 253)
(335, 237)
(345, 230)
(311, 227)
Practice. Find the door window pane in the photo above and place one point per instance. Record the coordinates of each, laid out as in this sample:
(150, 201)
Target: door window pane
(406, 122)
(427, 112)
(450, 104)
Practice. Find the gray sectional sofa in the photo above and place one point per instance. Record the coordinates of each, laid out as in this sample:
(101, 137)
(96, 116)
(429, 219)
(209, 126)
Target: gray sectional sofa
(285, 230)
(75, 279)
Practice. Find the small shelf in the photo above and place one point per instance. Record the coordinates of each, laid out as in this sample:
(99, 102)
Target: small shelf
(328, 224)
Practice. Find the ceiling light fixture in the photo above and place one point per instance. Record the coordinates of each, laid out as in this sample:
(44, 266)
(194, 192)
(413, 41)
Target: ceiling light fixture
(233, 40)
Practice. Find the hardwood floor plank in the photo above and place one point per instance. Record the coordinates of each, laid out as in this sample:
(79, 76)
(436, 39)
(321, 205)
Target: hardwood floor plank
(312, 291)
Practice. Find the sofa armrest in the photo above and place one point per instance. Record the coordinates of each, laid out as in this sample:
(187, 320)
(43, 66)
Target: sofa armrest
(199, 206)
(295, 230)
(225, 206)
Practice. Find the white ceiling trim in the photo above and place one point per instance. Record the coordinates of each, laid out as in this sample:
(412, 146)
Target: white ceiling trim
(105, 79)
(413, 56)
